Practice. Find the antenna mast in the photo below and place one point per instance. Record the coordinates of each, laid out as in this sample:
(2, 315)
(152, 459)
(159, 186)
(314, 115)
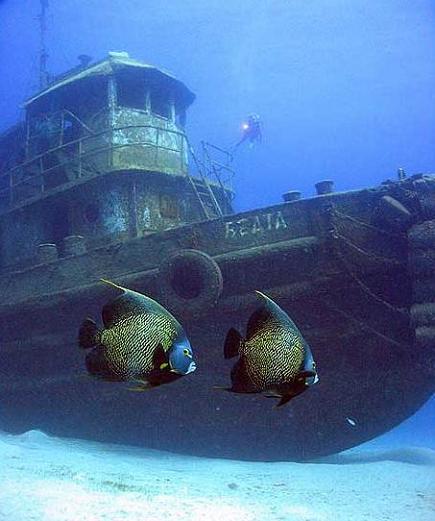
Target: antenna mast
(43, 54)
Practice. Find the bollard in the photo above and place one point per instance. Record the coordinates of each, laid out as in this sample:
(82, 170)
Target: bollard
(74, 245)
(292, 195)
(47, 252)
(324, 187)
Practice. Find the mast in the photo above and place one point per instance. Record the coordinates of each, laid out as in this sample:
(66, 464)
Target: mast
(43, 54)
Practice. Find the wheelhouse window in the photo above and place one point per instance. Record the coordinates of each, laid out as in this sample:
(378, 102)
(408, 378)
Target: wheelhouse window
(160, 104)
(131, 92)
(44, 132)
(180, 117)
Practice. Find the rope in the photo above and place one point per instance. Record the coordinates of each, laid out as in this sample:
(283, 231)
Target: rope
(370, 255)
(336, 236)
(365, 225)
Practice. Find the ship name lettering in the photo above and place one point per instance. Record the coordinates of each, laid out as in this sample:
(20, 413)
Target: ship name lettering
(255, 225)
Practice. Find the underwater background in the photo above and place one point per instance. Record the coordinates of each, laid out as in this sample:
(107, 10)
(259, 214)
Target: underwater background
(345, 91)
(344, 88)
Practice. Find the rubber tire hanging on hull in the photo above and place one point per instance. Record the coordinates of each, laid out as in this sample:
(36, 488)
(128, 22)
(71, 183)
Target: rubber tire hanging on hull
(190, 280)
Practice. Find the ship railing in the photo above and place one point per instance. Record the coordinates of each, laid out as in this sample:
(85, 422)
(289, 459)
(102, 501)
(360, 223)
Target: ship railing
(37, 175)
(218, 167)
(55, 127)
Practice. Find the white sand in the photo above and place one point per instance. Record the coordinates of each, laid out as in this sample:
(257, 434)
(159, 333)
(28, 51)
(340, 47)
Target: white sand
(45, 479)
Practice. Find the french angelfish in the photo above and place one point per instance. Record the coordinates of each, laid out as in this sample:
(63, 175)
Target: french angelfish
(141, 341)
(274, 358)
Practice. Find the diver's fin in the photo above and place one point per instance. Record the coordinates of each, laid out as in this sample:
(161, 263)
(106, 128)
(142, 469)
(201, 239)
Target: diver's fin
(89, 334)
(233, 343)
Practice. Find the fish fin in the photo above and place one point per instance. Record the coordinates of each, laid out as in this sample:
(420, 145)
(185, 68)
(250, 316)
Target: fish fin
(139, 388)
(142, 386)
(295, 390)
(98, 367)
(160, 358)
(89, 334)
(233, 344)
(132, 303)
(269, 312)
(240, 379)
(260, 318)
(284, 399)
(257, 321)
(269, 395)
(112, 284)
(161, 376)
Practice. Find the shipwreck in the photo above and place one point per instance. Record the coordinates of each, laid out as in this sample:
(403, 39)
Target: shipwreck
(99, 181)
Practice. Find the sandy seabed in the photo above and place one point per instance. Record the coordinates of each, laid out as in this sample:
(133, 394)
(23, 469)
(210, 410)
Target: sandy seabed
(51, 479)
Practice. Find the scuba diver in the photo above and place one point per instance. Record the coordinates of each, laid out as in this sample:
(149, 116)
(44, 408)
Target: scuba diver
(251, 131)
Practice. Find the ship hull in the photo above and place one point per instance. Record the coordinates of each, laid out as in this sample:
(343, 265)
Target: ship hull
(343, 266)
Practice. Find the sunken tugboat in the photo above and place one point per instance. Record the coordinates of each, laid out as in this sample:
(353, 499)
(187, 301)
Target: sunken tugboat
(95, 184)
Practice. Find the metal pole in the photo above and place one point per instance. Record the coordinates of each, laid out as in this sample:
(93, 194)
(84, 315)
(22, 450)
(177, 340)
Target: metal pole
(43, 54)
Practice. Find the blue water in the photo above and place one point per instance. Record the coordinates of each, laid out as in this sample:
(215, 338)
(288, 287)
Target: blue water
(345, 88)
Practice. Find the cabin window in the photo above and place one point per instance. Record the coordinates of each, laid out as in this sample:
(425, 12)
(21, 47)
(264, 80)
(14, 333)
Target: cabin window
(44, 132)
(169, 208)
(131, 93)
(180, 118)
(160, 104)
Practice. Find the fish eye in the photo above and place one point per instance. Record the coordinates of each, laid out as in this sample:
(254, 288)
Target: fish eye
(186, 352)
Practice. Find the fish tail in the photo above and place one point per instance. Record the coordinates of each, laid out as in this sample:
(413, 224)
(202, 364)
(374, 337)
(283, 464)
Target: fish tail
(89, 334)
(233, 343)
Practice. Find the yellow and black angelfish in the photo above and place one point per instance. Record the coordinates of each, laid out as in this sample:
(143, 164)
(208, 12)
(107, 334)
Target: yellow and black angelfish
(274, 358)
(141, 341)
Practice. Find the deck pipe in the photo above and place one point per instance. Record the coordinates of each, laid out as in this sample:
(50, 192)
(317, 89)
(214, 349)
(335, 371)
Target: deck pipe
(324, 187)
(74, 245)
(292, 195)
(47, 252)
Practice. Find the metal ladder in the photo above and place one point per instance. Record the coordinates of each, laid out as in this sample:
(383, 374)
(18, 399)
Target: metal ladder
(203, 191)
(201, 186)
